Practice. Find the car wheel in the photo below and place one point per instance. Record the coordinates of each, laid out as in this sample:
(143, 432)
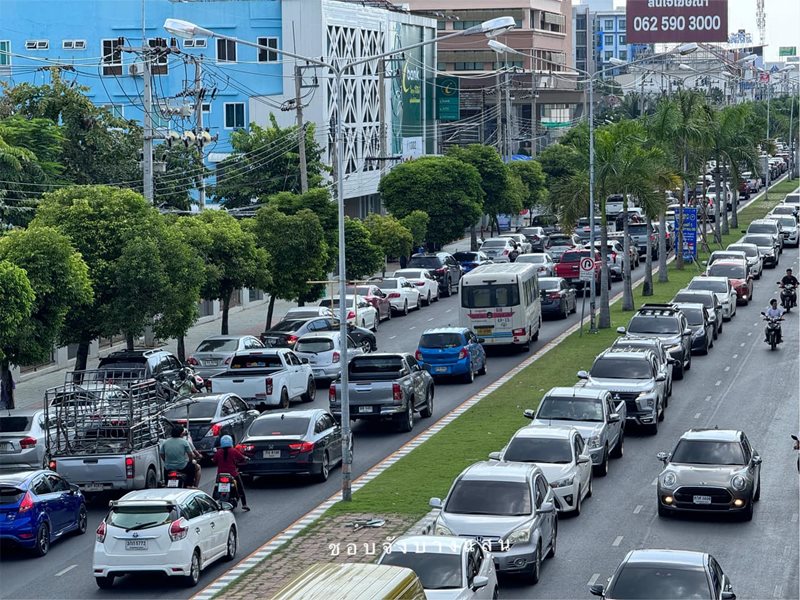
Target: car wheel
(496, 593)
(231, 545)
(311, 391)
(389, 314)
(574, 306)
(405, 422)
(366, 347)
(677, 371)
(564, 310)
(601, 470)
(663, 412)
(83, 520)
(689, 362)
(619, 448)
(482, 370)
(363, 324)
(653, 428)
(469, 376)
(419, 302)
(375, 322)
(151, 479)
(554, 542)
(405, 308)
(284, 399)
(721, 325)
(428, 410)
(325, 468)
(536, 566)
(105, 583)
(42, 540)
(446, 289)
(193, 577)
(428, 299)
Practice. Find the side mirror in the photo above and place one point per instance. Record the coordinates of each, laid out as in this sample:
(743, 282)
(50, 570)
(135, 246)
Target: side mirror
(479, 582)
(583, 375)
(226, 506)
(547, 507)
(583, 459)
(528, 413)
(687, 331)
(621, 331)
(613, 418)
(435, 503)
(756, 460)
(661, 377)
(74, 489)
(494, 455)
(597, 590)
(304, 361)
(663, 457)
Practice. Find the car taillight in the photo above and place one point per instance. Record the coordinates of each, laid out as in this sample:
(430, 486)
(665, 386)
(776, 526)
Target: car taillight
(209, 385)
(52, 465)
(397, 393)
(518, 332)
(214, 430)
(553, 295)
(192, 361)
(505, 252)
(419, 283)
(463, 353)
(268, 385)
(246, 448)
(335, 357)
(418, 355)
(303, 447)
(291, 339)
(441, 271)
(101, 532)
(332, 393)
(26, 504)
(351, 315)
(178, 529)
(394, 295)
(27, 442)
(130, 467)
(613, 257)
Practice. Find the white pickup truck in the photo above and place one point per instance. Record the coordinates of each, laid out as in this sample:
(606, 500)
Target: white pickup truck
(267, 378)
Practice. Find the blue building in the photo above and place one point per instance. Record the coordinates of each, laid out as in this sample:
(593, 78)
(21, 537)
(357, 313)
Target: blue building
(87, 38)
(600, 35)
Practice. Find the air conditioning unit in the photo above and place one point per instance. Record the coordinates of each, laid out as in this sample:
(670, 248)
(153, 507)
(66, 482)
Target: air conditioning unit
(136, 70)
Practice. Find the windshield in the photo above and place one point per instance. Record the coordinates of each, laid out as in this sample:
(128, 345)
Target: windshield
(560, 240)
(15, 424)
(465, 256)
(549, 283)
(389, 284)
(314, 345)
(532, 258)
(278, 426)
(197, 410)
(288, 325)
(637, 229)
(787, 222)
(694, 316)
(489, 296)
(10, 495)
(441, 340)
(375, 364)
(720, 287)
(659, 583)
(425, 262)
(540, 450)
(748, 250)
(361, 290)
(571, 256)
(729, 271)
(141, 517)
(704, 299)
(435, 571)
(482, 497)
(758, 240)
(223, 345)
(571, 409)
(334, 302)
(698, 452)
(656, 325)
(621, 368)
(762, 228)
(495, 244)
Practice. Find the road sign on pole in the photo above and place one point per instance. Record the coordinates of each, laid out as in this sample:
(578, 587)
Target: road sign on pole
(689, 230)
(587, 269)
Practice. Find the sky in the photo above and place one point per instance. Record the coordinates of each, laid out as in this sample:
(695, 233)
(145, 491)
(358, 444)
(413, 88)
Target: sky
(783, 22)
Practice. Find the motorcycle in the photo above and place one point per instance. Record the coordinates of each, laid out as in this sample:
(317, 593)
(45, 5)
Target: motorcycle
(788, 297)
(175, 479)
(773, 328)
(226, 489)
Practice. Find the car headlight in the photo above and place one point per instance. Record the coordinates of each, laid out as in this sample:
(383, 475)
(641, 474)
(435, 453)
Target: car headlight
(697, 333)
(670, 480)
(594, 441)
(566, 481)
(738, 483)
(519, 536)
(441, 530)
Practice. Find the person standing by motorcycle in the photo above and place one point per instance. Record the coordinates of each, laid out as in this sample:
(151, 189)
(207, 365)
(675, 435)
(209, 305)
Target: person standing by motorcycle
(227, 458)
(773, 312)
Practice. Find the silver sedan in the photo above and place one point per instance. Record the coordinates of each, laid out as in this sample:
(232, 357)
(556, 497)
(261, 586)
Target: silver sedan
(214, 353)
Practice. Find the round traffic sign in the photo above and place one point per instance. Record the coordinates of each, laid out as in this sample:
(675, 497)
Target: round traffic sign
(587, 264)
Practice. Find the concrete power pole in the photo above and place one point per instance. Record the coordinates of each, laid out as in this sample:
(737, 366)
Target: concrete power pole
(534, 129)
(509, 125)
(198, 111)
(499, 116)
(382, 112)
(298, 85)
(147, 149)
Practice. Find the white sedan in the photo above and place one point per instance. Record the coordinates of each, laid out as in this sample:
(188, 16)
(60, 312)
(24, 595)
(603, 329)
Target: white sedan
(402, 294)
(721, 286)
(360, 312)
(447, 566)
(428, 287)
(563, 457)
(176, 532)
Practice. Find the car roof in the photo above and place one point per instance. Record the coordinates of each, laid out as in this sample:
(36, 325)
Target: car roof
(739, 244)
(21, 412)
(687, 558)
(493, 470)
(226, 337)
(761, 221)
(713, 435)
(624, 353)
(206, 398)
(690, 305)
(730, 261)
(637, 341)
(261, 351)
(20, 477)
(551, 432)
(307, 414)
(461, 330)
(168, 495)
(708, 278)
(433, 544)
(576, 392)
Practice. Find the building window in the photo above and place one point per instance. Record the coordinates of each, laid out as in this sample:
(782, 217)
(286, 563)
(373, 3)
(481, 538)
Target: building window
(267, 56)
(37, 44)
(622, 39)
(73, 44)
(159, 65)
(546, 60)
(465, 24)
(206, 108)
(441, 66)
(5, 57)
(509, 64)
(440, 25)
(226, 51)
(234, 115)
(112, 57)
(608, 40)
(580, 22)
(195, 43)
(117, 110)
(580, 53)
(469, 66)
(621, 24)
(608, 24)
(623, 55)
(608, 55)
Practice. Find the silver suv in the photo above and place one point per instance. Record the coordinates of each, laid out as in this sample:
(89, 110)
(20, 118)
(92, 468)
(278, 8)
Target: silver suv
(509, 508)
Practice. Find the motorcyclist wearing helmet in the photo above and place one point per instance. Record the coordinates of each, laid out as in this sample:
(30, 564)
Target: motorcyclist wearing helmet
(227, 458)
(773, 312)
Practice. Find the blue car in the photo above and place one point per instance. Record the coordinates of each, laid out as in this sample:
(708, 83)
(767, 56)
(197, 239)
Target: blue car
(452, 351)
(469, 260)
(39, 507)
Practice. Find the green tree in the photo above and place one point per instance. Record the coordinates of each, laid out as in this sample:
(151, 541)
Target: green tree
(393, 238)
(532, 175)
(16, 303)
(184, 168)
(449, 191)
(297, 250)
(417, 223)
(231, 255)
(364, 257)
(559, 161)
(266, 161)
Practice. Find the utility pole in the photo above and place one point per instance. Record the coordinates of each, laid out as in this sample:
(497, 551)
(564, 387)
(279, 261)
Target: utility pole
(147, 149)
(534, 92)
(198, 111)
(298, 101)
(382, 111)
(499, 116)
(509, 142)
(481, 131)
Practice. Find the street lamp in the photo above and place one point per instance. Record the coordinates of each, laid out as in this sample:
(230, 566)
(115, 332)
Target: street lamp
(490, 28)
(683, 49)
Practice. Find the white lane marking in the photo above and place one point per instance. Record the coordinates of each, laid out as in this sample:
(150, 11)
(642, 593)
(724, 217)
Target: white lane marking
(718, 382)
(431, 319)
(412, 327)
(449, 310)
(593, 579)
(735, 356)
(707, 398)
(394, 336)
(794, 518)
(742, 344)
(655, 481)
(777, 592)
(696, 415)
(617, 541)
(64, 571)
(638, 509)
(749, 333)
(726, 369)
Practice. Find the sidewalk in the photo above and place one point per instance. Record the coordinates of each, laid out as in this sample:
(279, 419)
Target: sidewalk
(246, 320)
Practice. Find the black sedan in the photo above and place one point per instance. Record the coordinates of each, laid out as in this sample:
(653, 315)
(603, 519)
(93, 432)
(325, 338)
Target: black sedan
(558, 298)
(286, 333)
(701, 325)
(210, 417)
(301, 442)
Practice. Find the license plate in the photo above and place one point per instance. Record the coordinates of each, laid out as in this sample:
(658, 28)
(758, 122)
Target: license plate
(483, 330)
(701, 499)
(365, 409)
(93, 488)
(224, 487)
(271, 454)
(140, 545)
(6, 447)
(172, 483)
(210, 362)
(440, 369)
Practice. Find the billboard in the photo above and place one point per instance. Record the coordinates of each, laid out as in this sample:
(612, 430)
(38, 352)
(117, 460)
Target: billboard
(787, 51)
(447, 98)
(677, 21)
(689, 232)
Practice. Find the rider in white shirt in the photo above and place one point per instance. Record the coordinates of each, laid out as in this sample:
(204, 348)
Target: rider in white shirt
(774, 312)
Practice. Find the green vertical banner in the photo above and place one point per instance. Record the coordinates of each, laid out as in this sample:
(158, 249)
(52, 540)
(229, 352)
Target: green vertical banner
(448, 91)
(407, 86)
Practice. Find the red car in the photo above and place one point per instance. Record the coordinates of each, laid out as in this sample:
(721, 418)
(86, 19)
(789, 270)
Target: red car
(738, 274)
(373, 294)
(569, 268)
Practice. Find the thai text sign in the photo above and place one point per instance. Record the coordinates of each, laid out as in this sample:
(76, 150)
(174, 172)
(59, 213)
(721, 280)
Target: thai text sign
(677, 21)
(688, 227)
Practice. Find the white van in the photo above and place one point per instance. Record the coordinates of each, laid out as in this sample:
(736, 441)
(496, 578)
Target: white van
(501, 304)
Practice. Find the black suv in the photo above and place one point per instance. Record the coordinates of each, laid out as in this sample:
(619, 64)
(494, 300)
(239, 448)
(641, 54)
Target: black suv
(286, 333)
(442, 266)
(668, 323)
(152, 362)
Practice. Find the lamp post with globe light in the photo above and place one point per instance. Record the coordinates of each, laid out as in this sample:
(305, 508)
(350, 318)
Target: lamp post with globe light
(338, 67)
